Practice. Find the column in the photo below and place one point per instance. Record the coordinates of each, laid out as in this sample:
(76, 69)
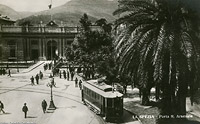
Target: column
(28, 48)
(40, 50)
(44, 51)
(60, 48)
(63, 47)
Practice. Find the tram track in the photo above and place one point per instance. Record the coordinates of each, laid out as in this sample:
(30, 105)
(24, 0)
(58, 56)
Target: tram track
(10, 89)
(35, 91)
(42, 91)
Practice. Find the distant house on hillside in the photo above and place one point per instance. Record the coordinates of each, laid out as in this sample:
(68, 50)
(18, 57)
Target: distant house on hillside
(4, 20)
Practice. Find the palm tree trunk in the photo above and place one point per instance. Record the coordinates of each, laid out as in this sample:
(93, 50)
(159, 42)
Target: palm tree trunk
(157, 95)
(145, 96)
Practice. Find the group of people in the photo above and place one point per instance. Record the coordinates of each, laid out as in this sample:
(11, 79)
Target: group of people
(78, 83)
(25, 108)
(2, 71)
(37, 77)
(48, 66)
(67, 74)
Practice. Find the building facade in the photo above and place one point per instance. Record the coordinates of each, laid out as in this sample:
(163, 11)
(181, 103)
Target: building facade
(42, 42)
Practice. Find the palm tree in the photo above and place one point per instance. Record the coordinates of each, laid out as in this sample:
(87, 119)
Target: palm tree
(157, 45)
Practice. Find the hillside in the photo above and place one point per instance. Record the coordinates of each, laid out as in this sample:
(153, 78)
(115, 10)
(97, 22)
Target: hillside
(11, 13)
(67, 19)
(71, 12)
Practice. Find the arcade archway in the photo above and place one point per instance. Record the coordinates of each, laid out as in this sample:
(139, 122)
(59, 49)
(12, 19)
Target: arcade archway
(51, 49)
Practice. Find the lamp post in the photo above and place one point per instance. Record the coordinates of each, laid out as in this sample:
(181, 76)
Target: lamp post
(51, 105)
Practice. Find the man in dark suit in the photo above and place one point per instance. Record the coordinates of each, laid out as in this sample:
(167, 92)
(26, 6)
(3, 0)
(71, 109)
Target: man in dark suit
(44, 106)
(25, 110)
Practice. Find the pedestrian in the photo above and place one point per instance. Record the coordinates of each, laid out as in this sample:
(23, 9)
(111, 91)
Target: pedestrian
(64, 74)
(41, 75)
(32, 80)
(67, 75)
(4, 71)
(76, 82)
(37, 78)
(80, 84)
(25, 110)
(44, 106)
(50, 76)
(50, 65)
(60, 74)
(1, 107)
(72, 75)
(9, 73)
(53, 82)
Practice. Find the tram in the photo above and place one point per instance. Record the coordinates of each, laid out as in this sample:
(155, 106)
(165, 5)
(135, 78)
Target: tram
(101, 98)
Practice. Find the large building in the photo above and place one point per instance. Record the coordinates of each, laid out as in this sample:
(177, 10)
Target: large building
(42, 42)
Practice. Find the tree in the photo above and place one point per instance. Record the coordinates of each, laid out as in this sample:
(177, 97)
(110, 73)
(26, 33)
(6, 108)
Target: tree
(158, 46)
(93, 48)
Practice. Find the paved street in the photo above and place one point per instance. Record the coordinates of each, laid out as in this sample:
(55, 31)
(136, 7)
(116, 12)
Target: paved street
(17, 90)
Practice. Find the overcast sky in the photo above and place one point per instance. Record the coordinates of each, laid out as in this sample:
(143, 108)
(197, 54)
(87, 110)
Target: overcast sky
(31, 5)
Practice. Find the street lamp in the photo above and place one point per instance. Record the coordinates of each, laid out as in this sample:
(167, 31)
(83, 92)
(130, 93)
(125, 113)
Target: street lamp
(51, 105)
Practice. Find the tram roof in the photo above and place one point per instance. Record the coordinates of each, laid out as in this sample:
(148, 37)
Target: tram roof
(102, 89)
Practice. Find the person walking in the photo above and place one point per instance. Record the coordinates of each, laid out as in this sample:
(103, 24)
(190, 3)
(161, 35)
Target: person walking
(76, 82)
(60, 74)
(72, 75)
(25, 110)
(32, 80)
(44, 106)
(41, 75)
(37, 78)
(9, 73)
(67, 75)
(80, 84)
(64, 74)
(53, 82)
(1, 107)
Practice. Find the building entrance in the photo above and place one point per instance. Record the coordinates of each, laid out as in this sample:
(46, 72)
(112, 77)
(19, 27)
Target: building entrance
(51, 50)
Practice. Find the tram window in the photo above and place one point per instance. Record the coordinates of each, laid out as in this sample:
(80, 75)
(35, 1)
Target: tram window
(109, 102)
(117, 102)
(0, 51)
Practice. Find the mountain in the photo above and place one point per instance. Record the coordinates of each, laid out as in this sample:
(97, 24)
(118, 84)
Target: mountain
(7, 11)
(11, 13)
(71, 12)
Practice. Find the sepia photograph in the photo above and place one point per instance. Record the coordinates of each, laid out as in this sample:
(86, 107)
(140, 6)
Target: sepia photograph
(99, 61)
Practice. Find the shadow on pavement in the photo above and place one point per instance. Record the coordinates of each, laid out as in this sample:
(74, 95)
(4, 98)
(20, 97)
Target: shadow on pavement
(49, 111)
(128, 117)
(6, 113)
(31, 117)
(66, 107)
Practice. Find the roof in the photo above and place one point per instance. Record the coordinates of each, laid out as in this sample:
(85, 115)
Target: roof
(102, 89)
(52, 24)
(6, 20)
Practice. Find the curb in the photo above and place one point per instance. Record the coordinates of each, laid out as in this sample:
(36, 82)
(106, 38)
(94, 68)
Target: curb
(34, 67)
(133, 114)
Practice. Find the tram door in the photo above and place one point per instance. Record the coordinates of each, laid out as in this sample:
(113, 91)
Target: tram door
(118, 106)
(110, 107)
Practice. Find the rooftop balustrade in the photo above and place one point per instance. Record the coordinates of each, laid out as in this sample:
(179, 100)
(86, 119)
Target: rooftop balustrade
(34, 29)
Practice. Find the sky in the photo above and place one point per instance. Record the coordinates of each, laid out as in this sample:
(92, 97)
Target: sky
(31, 5)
